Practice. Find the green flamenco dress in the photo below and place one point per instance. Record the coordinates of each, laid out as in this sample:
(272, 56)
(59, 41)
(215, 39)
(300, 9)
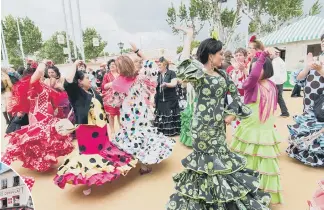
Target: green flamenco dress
(186, 117)
(215, 178)
(259, 143)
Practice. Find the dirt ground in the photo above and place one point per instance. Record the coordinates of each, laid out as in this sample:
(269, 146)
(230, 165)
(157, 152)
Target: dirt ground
(152, 191)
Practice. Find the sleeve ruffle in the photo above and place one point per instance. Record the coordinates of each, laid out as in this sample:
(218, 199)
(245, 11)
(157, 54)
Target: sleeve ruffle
(148, 76)
(190, 71)
(21, 92)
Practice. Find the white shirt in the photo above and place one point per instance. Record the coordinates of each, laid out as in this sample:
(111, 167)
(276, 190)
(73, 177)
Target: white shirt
(279, 69)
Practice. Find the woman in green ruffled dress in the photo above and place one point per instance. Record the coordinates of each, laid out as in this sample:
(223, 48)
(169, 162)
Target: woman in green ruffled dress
(186, 117)
(256, 137)
(214, 178)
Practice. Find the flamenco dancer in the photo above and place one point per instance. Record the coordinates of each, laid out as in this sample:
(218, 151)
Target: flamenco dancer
(37, 145)
(98, 161)
(306, 141)
(167, 110)
(136, 135)
(186, 115)
(256, 137)
(55, 81)
(112, 112)
(215, 178)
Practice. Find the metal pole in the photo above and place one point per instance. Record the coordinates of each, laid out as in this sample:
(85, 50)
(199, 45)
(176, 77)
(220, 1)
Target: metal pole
(21, 44)
(81, 32)
(4, 49)
(66, 32)
(73, 36)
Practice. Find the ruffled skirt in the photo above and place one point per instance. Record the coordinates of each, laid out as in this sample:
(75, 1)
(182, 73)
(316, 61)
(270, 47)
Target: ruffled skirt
(167, 118)
(97, 162)
(146, 144)
(38, 146)
(260, 145)
(186, 117)
(217, 181)
(306, 141)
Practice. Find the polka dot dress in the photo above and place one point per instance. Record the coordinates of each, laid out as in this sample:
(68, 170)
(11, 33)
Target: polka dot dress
(136, 136)
(29, 181)
(98, 161)
(313, 89)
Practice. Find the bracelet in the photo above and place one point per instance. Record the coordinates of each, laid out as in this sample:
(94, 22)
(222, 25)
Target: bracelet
(137, 51)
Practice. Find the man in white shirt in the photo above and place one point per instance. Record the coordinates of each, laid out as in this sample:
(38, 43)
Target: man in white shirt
(279, 78)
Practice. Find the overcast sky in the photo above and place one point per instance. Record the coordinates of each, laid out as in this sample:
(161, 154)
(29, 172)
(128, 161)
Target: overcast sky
(115, 20)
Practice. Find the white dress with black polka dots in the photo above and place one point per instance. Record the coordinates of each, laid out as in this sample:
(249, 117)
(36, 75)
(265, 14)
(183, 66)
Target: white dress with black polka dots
(137, 136)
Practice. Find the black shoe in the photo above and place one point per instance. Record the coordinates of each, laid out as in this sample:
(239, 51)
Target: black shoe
(294, 96)
(285, 115)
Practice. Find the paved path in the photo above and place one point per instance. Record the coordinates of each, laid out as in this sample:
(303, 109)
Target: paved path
(151, 192)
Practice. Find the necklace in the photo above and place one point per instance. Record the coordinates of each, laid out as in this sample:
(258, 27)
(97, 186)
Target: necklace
(161, 82)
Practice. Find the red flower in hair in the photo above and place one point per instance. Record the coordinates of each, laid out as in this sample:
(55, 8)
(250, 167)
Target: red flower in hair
(253, 38)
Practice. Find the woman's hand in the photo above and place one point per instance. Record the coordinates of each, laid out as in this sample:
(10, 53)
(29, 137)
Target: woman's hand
(108, 85)
(134, 47)
(229, 119)
(188, 31)
(317, 67)
(164, 84)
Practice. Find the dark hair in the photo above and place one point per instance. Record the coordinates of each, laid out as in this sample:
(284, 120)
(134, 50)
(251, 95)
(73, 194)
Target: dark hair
(29, 71)
(79, 75)
(267, 68)
(322, 37)
(207, 47)
(241, 50)
(21, 70)
(165, 61)
(109, 62)
(55, 69)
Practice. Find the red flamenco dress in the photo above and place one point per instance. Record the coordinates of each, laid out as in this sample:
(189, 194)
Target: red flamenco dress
(112, 111)
(37, 145)
(98, 161)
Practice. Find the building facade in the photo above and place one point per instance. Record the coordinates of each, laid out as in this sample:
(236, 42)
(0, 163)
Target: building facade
(14, 193)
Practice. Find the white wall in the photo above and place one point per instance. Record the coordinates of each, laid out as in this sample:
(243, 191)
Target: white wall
(295, 52)
(11, 191)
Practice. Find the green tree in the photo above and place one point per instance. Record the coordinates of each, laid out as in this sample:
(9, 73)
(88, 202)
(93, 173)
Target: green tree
(127, 50)
(53, 50)
(194, 44)
(30, 34)
(315, 9)
(91, 51)
(195, 15)
(268, 15)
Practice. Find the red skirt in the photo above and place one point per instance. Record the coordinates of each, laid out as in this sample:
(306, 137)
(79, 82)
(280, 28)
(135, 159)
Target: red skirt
(112, 111)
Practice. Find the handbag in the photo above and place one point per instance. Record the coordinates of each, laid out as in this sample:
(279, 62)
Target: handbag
(65, 127)
(319, 108)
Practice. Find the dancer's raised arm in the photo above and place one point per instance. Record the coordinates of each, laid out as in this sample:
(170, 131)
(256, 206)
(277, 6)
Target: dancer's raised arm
(39, 73)
(187, 42)
(137, 51)
(70, 76)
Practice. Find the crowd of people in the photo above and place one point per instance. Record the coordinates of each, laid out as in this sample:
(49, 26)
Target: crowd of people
(128, 111)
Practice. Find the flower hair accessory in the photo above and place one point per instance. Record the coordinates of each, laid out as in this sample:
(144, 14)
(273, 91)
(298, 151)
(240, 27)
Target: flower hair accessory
(214, 35)
(253, 38)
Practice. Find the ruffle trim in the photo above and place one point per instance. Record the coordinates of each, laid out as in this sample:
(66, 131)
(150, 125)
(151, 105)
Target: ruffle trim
(266, 138)
(189, 183)
(213, 164)
(255, 150)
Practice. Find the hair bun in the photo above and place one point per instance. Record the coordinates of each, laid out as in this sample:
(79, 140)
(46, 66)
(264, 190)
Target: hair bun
(253, 38)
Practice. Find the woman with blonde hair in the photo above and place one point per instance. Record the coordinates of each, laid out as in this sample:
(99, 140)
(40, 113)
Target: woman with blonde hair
(136, 136)
(6, 87)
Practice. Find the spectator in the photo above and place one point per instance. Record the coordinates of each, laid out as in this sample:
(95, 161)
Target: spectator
(279, 78)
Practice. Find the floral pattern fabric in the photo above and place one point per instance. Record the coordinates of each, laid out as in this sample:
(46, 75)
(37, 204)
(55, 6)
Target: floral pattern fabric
(215, 178)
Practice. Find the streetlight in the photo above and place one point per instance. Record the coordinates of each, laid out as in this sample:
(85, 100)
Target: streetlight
(121, 46)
